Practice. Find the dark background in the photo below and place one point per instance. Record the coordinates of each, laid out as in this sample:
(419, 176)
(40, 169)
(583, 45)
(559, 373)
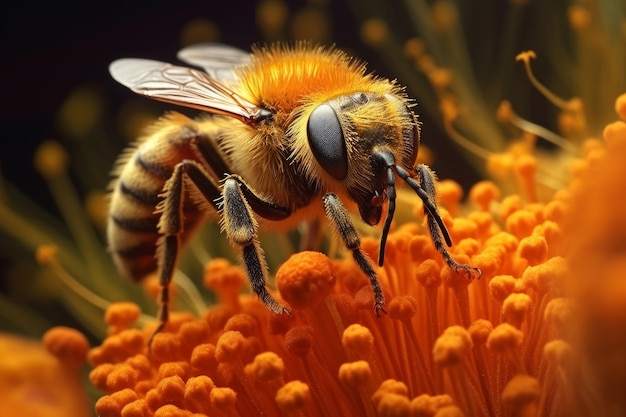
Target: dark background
(49, 49)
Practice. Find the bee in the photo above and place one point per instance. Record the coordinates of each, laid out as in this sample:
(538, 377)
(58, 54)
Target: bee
(293, 134)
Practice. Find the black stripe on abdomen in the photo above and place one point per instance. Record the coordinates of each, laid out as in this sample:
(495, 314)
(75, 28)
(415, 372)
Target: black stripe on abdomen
(138, 195)
(142, 225)
(154, 168)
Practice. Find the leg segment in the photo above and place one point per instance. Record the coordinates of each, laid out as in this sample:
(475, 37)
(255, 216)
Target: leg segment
(339, 216)
(191, 178)
(436, 227)
(241, 229)
(171, 223)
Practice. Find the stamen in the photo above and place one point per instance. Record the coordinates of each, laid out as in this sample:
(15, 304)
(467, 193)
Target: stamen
(534, 249)
(506, 114)
(305, 279)
(525, 57)
(267, 366)
(47, 255)
(521, 395)
(197, 390)
(449, 111)
(51, 162)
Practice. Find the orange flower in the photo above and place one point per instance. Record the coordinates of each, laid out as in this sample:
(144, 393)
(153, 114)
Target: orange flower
(35, 382)
(448, 343)
(500, 345)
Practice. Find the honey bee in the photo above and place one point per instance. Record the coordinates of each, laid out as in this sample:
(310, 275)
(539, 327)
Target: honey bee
(293, 134)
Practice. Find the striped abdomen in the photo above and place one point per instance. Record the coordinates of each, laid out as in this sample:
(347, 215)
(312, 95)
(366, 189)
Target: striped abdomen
(132, 225)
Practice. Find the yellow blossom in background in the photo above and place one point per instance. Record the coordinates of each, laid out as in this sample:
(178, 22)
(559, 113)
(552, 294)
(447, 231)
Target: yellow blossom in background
(36, 382)
(596, 231)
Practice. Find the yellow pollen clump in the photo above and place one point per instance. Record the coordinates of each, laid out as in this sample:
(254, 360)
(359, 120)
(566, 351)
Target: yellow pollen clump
(305, 279)
(393, 405)
(267, 366)
(515, 308)
(402, 307)
(483, 194)
(504, 337)
(68, 345)
(559, 312)
(520, 394)
(614, 132)
(197, 390)
(121, 315)
(391, 399)
(299, 340)
(501, 286)
(479, 331)
(223, 397)
(225, 279)
(355, 374)
(230, 346)
(452, 346)
(358, 339)
(559, 352)
(450, 194)
(534, 249)
(426, 405)
(521, 223)
(293, 396)
(526, 167)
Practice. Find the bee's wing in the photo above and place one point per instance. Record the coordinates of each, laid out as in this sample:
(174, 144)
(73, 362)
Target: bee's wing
(183, 86)
(218, 60)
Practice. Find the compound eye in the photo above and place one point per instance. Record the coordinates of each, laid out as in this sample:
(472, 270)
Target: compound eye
(327, 142)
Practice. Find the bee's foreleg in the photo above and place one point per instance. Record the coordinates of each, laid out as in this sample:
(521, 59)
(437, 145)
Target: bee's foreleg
(241, 227)
(339, 216)
(426, 183)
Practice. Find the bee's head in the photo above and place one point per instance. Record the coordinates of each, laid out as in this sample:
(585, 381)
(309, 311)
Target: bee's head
(359, 140)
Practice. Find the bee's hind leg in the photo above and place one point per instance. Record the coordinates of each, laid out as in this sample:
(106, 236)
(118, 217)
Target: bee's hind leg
(171, 224)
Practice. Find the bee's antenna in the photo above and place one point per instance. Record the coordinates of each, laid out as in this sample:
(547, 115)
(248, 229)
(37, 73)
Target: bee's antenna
(429, 206)
(388, 162)
(391, 208)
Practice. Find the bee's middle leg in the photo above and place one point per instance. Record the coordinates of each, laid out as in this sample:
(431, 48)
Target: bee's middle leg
(241, 228)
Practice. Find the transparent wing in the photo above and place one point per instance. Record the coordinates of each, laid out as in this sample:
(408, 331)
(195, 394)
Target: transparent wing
(183, 86)
(217, 60)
